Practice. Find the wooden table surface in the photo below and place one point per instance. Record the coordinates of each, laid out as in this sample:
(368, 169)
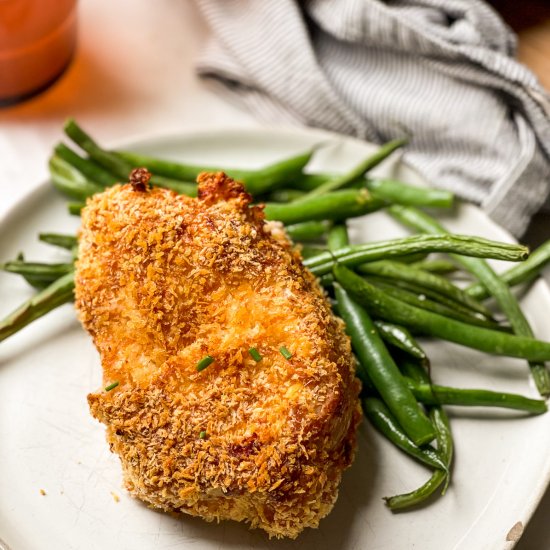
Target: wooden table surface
(531, 20)
(534, 49)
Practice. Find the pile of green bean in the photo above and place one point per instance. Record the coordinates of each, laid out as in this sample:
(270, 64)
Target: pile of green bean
(387, 292)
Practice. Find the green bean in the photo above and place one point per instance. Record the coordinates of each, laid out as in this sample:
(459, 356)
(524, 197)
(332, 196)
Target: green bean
(431, 394)
(428, 281)
(418, 373)
(36, 283)
(48, 272)
(285, 195)
(119, 167)
(438, 266)
(326, 280)
(178, 170)
(445, 448)
(521, 273)
(359, 170)
(358, 254)
(56, 239)
(401, 338)
(309, 251)
(38, 275)
(68, 242)
(307, 231)
(338, 237)
(411, 258)
(425, 292)
(382, 370)
(392, 190)
(490, 280)
(308, 182)
(385, 422)
(53, 296)
(75, 208)
(277, 174)
(339, 205)
(70, 181)
(180, 187)
(400, 193)
(377, 362)
(87, 167)
(423, 302)
(395, 311)
(415, 370)
(256, 182)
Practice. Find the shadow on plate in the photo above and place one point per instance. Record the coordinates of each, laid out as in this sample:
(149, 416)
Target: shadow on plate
(334, 532)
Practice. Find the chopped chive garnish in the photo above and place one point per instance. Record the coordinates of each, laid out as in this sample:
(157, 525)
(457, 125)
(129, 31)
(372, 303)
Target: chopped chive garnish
(285, 353)
(205, 362)
(112, 386)
(255, 354)
(202, 435)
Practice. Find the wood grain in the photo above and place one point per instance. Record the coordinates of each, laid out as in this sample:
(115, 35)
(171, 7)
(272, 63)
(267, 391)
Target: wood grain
(531, 20)
(534, 51)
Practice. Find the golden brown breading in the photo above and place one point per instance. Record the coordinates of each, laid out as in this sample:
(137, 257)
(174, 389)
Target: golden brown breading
(164, 280)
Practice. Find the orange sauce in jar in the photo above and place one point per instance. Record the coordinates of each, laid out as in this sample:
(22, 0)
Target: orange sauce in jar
(37, 39)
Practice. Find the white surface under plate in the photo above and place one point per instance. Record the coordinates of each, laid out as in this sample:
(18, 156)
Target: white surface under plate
(49, 441)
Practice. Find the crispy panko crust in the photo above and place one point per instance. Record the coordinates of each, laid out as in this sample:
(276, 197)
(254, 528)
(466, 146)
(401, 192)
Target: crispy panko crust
(164, 280)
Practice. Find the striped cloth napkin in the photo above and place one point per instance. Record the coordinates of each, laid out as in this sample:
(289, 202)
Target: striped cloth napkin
(442, 71)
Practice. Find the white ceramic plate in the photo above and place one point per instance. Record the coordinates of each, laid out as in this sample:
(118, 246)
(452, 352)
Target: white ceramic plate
(49, 441)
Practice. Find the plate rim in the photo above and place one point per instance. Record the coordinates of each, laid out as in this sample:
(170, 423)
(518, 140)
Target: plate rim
(145, 140)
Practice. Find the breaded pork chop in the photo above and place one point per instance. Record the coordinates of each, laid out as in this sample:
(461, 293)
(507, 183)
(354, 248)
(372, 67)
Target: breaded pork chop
(163, 281)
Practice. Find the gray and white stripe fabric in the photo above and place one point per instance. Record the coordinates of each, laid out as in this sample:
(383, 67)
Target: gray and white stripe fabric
(442, 71)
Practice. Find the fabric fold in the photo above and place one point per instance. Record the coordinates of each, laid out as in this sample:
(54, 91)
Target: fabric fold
(441, 71)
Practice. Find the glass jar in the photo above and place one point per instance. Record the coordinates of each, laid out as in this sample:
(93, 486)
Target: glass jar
(37, 40)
